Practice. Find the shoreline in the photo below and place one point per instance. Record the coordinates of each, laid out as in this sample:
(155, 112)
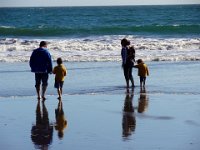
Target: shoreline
(99, 112)
(164, 76)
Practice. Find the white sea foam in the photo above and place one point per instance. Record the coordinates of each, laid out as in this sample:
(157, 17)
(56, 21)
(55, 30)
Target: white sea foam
(103, 48)
(7, 27)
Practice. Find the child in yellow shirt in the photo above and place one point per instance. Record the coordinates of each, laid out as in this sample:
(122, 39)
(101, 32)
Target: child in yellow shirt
(143, 71)
(60, 72)
(61, 122)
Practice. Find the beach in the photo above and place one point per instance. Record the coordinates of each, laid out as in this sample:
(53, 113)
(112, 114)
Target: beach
(164, 116)
(96, 111)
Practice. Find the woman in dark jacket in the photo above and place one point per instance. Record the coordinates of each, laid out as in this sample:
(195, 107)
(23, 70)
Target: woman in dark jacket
(128, 58)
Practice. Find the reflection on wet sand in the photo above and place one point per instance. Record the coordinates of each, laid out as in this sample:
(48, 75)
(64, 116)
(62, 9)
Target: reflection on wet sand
(128, 121)
(61, 122)
(42, 131)
(143, 101)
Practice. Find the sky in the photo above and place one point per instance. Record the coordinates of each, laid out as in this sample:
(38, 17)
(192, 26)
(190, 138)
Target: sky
(38, 3)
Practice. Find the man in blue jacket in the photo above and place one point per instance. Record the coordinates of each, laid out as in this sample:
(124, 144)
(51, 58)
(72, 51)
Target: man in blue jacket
(41, 65)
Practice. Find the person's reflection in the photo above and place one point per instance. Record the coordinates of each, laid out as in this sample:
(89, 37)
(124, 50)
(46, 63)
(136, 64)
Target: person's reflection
(42, 131)
(61, 122)
(128, 121)
(142, 101)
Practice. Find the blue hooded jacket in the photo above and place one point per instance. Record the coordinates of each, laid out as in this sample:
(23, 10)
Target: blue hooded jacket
(40, 61)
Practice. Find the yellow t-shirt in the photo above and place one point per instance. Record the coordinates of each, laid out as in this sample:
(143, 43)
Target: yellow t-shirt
(143, 70)
(61, 122)
(60, 71)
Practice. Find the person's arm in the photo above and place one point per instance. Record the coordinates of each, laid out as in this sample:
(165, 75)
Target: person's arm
(31, 62)
(65, 72)
(123, 55)
(147, 71)
(49, 62)
(135, 66)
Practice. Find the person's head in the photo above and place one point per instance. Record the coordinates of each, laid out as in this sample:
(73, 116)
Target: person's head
(125, 42)
(139, 61)
(132, 48)
(59, 61)
(43, 44)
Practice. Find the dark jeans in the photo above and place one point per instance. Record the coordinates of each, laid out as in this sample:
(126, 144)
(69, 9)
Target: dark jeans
(128, 72)
(142, 79)
(41, 77)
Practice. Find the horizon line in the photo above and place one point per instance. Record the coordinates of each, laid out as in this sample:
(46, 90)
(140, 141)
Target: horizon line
(99, 5)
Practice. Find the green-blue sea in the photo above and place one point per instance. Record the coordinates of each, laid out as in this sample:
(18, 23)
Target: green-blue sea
(176, 20)
(158, 33)
(100, 113)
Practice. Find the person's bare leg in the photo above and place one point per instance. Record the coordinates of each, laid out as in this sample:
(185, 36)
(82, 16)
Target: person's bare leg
(127, 83)
(132, 82)
(141, 84)
(144, 82)
(59, 93)
(126, 76)
(38, 91)
(131, 77)
(44, 88)
(127, 89)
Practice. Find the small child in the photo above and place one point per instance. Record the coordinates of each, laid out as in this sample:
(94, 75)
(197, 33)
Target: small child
(60, 72)
(143, 71)
(61, 122)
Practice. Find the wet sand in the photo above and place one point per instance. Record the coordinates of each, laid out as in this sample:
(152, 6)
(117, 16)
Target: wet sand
(164, 116)
(139, 121)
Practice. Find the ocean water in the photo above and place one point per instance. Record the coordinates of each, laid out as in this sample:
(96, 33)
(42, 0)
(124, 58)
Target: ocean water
(159, 33)
(94, 93)
(103, 78)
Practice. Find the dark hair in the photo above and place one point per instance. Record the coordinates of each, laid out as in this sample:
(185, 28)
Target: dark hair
(59, 61)
(132, 49)
(139, 61)
(43, 43)
(125, 42)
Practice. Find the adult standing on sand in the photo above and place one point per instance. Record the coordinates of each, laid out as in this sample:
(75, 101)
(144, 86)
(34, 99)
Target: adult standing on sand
(128, 58)
(41, 65)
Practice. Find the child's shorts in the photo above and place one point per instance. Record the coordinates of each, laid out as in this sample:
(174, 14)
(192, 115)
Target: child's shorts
(142, 79)
(58, 84)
